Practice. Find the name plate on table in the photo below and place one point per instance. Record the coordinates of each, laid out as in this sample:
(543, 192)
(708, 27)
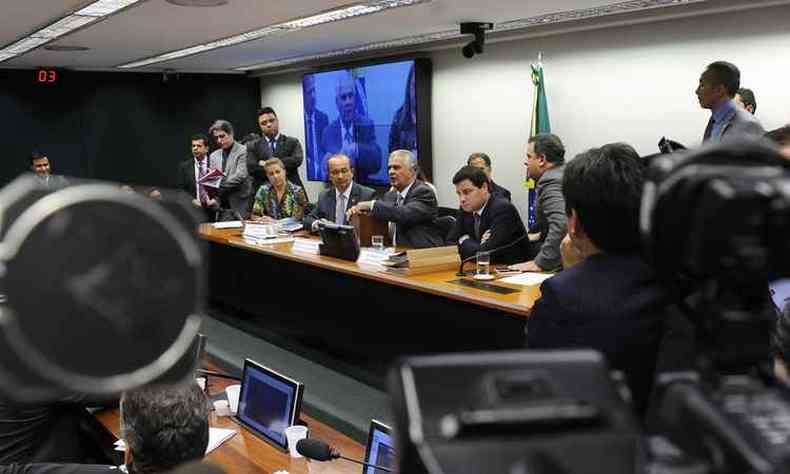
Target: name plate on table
(479, 285)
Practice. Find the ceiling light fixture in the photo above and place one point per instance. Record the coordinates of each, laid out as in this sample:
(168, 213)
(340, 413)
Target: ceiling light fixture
(92, 13)
(328, 16)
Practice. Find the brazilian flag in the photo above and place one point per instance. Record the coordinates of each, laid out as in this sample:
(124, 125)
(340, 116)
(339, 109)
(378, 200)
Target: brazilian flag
(540, 124)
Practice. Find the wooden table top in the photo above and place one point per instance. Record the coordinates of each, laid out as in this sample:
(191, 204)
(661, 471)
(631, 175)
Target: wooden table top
(246, 453)
(518, 304)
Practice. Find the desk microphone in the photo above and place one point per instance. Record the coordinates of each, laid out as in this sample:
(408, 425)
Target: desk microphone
(503, 247)
(318, 450)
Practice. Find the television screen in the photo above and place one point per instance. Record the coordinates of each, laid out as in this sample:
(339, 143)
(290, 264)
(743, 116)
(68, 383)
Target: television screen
(366, 113)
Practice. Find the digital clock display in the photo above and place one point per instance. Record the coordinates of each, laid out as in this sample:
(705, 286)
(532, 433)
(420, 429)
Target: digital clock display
(47, 76)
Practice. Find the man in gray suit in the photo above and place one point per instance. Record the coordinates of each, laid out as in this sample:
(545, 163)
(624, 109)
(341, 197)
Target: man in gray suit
(545, 164)
(344, 194)
(235, 188)
(40, 165)
(717, 88)
(410, 207)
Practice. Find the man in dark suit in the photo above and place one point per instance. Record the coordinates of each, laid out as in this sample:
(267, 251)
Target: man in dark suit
(273, 144)
(611, 299)
(486, 222)
(351, 134)
(344, 194)
(717, 88)
(315, 121)
(41, 166)
(482, 161)
(190, 170)
(745, 100)
(410, 207)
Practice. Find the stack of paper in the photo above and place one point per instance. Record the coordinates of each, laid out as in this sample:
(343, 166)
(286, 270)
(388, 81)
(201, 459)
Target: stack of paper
(308, 246)
(216, 436)
(527, 278)
(397, 260)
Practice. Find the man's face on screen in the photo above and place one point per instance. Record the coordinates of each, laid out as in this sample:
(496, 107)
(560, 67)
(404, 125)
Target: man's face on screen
(399, 172)
(346, 100)
(340, 172)
(41, 167)
(470, 197)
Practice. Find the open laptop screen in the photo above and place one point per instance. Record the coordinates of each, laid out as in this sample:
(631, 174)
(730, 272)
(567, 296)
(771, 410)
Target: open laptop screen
(269, 402)
(380, 449)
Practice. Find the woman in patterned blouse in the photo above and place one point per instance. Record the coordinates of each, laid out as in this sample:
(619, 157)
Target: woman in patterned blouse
(278, 198)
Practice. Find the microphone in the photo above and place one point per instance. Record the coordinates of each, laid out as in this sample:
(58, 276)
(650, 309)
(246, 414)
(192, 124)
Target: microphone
(318, 450)
(501, 247)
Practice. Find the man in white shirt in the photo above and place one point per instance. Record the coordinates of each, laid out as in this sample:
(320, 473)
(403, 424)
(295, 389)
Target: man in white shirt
(344, 194)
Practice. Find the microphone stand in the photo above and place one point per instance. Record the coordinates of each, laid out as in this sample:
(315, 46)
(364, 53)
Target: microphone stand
(362, 463)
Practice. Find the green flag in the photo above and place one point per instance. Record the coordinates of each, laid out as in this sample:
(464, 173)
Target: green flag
(540, 124)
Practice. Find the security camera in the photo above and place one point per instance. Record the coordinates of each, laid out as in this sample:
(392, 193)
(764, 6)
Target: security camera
(478, 30)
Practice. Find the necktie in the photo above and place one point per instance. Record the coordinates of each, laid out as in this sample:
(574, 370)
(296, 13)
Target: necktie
(393, 228)
(202, 188)
(340, 210)
(348, 140)
(273, 146)
(477, 226)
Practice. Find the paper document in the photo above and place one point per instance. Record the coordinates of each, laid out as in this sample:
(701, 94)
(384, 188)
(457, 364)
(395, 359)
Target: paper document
(228, 225)
(216, 436)
(527, 278)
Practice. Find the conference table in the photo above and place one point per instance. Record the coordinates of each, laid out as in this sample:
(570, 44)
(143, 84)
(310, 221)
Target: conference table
(359, 313)
(247, 453)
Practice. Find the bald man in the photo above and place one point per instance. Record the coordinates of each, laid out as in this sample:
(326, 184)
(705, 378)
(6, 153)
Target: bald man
(351, 134)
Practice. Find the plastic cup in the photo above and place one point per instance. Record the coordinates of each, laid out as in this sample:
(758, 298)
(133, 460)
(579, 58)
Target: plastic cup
(293, 434)
(221, 408)
(233, 391)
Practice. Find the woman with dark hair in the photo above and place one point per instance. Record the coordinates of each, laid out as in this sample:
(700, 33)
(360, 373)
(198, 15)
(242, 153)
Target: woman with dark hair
(403, 132)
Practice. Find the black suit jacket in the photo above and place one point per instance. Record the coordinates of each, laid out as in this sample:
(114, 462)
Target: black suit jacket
(368, 159)
(413, 218)
(287, 149)
(502, 219)
(327, 200)
(316, 168)
(611, 303)
(497, 190)
(186, 182)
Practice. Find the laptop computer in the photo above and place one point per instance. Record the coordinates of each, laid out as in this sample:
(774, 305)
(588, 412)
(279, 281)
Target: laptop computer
(269, 403)
(380, 449)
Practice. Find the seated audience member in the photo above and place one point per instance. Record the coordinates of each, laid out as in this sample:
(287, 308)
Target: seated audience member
(189, 173)
(41, 166)
(781, 136)
(336, 200)
(410, 206)
(486, 221)
(745, 100)
(279, 198)
(545, 164)
(716, 91)
(610, 300)
(164, 426)
(482, 161)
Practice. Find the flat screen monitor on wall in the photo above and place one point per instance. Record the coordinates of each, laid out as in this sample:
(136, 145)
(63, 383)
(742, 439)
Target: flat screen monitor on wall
(366, 112)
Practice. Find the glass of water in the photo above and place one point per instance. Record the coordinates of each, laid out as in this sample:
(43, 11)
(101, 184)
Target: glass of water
(483, 264)
(377, 242)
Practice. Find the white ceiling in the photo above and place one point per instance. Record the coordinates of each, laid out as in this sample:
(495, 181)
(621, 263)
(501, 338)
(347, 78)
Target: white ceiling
(154, 27)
